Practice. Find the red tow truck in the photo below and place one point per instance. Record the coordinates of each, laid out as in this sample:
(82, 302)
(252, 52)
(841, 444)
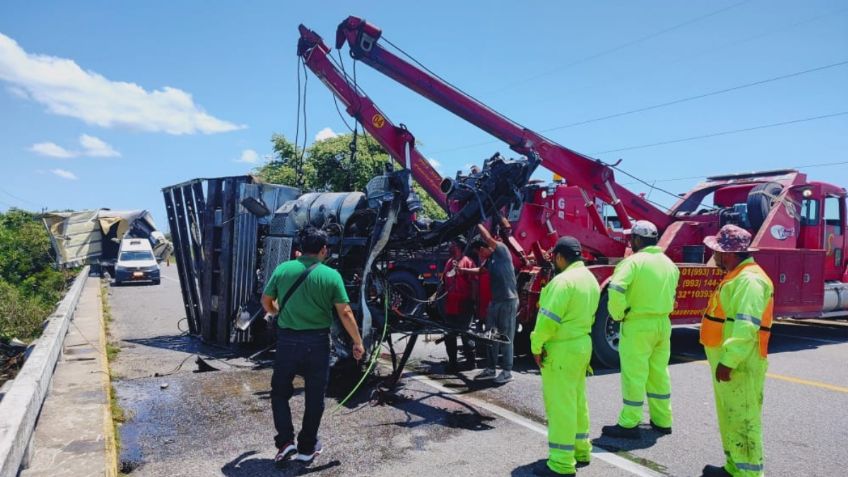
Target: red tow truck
(799, 226)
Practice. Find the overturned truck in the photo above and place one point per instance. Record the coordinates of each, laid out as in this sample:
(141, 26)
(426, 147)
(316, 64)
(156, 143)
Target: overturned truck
(230, 233)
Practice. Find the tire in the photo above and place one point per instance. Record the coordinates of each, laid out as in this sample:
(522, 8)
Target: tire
(605, 335)
(760, 203)
(157, 281)
(407, 292)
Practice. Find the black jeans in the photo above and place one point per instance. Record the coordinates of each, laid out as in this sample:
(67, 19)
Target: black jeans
(306, 353)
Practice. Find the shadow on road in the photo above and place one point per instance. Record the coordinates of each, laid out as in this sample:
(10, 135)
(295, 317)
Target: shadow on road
(527, 469)
(247, 466)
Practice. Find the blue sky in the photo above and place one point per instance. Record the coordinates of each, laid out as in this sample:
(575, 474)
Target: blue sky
(102, 103)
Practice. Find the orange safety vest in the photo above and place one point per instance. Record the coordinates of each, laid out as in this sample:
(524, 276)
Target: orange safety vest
(713, 321)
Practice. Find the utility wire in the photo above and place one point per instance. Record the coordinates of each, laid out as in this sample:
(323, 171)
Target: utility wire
(676, 179)
(20, 198)
(665, 104)
(620, 47)
(684, 58)
(721, 133)
(699, 96)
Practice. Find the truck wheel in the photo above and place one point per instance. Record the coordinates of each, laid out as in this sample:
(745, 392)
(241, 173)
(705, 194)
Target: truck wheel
(605, 335)
(760, 203)
(407, 293)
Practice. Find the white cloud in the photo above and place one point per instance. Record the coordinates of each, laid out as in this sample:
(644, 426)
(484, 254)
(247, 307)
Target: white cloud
(92, 147)
(436, 164)
(67, 90)
(248, 156)
(52, 150)
(64, 174)
(325, 133)
(95, 147)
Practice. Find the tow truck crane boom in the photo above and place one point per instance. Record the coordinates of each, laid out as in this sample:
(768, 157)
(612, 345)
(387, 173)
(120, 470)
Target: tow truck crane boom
(397, 140)
(593, 176)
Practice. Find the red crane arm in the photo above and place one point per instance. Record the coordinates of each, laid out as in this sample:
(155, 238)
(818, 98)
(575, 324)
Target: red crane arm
(589, 174)
(398, 141)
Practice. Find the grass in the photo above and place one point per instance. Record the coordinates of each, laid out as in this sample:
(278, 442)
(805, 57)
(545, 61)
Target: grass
(112, 350)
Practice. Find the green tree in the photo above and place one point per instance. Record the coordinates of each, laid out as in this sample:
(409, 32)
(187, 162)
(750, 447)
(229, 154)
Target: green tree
(327, 166)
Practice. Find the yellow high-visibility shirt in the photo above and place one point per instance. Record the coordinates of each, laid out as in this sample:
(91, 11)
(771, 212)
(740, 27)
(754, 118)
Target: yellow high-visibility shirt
(744, 298)
(567, 307)
(643, 285)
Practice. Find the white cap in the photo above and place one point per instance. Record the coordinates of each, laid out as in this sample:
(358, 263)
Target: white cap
(643, 228)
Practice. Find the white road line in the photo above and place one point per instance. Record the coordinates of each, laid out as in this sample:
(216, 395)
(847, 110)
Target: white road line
(597, 452)
(172, 279)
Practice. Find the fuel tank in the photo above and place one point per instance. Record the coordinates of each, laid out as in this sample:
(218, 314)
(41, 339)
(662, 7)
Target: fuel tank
(317, 209)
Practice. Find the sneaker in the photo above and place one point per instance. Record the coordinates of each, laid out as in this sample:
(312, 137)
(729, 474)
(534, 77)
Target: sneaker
(285, 453)
(504, 377)
(311, 456)
(488, 373)
(582, 463)
(660, 429)
(622, 432)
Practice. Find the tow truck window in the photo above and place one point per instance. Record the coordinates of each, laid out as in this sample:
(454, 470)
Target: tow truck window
(832, 214)
(810, 212)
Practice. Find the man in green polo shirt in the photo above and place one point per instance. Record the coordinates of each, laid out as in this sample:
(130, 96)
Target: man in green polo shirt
(310, 291)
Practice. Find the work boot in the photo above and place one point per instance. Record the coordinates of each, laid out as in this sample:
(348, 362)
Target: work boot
(504, 377)
(660, 429)
(621, 432)
(285, 453)
(488, 373)
(714, 471)
(541, 468)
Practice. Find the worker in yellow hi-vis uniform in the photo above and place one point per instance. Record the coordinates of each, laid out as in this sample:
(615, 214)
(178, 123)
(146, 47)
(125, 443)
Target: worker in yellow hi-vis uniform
(641, 295)
(562, 347)
(735, 332)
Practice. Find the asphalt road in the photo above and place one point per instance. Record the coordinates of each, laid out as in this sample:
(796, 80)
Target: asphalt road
(186, 423)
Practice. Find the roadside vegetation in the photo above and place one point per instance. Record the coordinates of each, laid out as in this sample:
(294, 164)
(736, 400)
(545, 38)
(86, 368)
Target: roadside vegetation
(30, 286)
(328, 165)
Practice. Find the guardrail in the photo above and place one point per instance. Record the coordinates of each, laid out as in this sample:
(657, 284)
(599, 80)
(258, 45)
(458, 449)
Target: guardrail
(21, 405)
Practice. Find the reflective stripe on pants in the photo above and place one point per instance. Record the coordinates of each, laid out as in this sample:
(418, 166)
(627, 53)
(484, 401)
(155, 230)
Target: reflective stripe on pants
(564, 392)
(739, 406)
(644, 349)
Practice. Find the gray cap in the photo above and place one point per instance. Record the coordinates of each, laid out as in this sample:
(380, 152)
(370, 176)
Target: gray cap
(643, 228)
(568, 247)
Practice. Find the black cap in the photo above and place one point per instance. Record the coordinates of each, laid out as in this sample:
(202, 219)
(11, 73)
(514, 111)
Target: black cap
(569, 247)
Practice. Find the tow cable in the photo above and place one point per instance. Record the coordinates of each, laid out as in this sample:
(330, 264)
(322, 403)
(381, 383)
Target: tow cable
(374, 356)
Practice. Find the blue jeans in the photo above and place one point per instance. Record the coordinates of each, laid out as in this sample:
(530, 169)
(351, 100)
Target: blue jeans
(306, 353)
(502, 317)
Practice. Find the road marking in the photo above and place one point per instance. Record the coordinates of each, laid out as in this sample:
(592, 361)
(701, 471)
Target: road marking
(597, 452)
(817, 384)
(172, 279)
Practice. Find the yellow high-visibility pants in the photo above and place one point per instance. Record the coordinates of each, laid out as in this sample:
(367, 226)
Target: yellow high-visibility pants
(564, 392)
(644, 351)
(739, 406)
